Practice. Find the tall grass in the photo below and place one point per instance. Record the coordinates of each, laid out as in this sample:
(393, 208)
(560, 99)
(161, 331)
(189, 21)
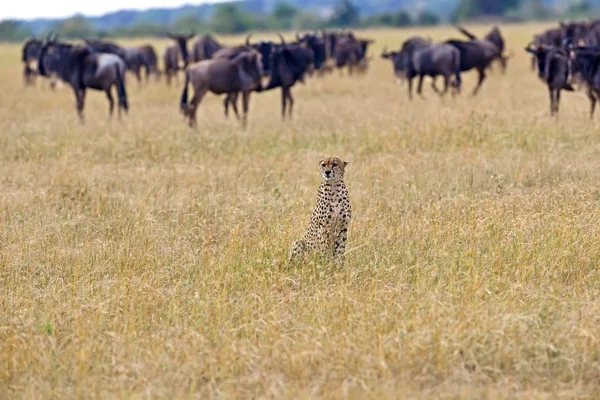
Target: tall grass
(142, 259)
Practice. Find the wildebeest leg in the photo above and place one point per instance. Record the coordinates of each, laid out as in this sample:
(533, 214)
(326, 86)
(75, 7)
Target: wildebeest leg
(592, 98)
(434, 86)
(80, 95)
(420, 86)
(291, 101)
(557, 102)
(283, 102)
(245, 104)
(232, 99)
(446, 84)
(551, 93)
(198, 95)
(138, 74)
(480, 81)
(111, 102)
(410, 88)
(53, 81)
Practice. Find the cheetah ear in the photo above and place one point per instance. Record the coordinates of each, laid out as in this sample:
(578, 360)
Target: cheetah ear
(321, 162)
(346, 163)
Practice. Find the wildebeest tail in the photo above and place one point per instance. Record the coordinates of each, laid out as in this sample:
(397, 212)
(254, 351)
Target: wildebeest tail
(466, 32)
(184, 95)
(121, 89)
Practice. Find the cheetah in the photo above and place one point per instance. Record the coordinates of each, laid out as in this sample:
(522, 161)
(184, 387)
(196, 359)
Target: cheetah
(328, 228)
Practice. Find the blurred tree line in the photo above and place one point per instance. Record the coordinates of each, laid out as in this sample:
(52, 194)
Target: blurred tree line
(238, 17)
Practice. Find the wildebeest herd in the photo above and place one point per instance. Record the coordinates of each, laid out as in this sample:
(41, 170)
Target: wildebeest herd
(564, 56)
(568, 56)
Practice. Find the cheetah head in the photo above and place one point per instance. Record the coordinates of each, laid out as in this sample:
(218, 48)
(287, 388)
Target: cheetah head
(332, 168)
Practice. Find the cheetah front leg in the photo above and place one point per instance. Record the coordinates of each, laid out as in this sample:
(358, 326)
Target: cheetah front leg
(299, 247)
(339, 247)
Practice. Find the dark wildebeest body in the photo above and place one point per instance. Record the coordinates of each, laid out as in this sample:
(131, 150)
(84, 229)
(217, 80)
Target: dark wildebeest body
(495, 38)
(135, 57)
(476, 54)
(264, 48)
(585, 68)
(553, 69)
(317, 45)
(243, 74)
(419, 57)
(174, 52)
(351, 52)
(204, 48)
(30, 53)
(82, 68)
(151, 59)
(289, 64)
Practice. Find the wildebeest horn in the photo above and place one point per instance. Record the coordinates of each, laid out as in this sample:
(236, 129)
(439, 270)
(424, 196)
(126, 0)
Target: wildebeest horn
(248, 39)
(192, 34)
(281, 38)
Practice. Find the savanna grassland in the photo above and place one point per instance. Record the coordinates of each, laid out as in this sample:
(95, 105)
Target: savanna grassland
(142, 259)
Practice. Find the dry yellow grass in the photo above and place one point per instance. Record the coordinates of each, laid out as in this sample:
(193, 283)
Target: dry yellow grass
(145, 260)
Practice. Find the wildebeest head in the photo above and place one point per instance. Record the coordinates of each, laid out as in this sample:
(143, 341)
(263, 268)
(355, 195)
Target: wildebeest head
(31, 49)
(264, 48)
(540, 52)
(64, 59)
(552, 61)
(289, 63)
(181, 41)
(396, 58)
(317, 45)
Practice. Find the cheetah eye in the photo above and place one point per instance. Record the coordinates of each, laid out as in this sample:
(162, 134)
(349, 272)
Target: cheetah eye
(335, 165)
(323, 165)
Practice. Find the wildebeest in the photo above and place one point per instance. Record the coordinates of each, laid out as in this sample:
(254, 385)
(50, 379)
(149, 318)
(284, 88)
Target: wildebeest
(264, 48)
(289, 64)
(82, 68)
(204, 48)
(242, 73)
(330, 40)
(575, 31)
(317, 45)
(151, 63)
(476, 54)
(494, 37)
(350, 52)
(585, 68)
(174, 52)
(30, 52)
(553, 69)
(550, 37)
(135, 58)
(420, 57)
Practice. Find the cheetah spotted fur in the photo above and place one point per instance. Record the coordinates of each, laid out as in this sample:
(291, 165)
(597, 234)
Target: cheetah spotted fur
(328, 228)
